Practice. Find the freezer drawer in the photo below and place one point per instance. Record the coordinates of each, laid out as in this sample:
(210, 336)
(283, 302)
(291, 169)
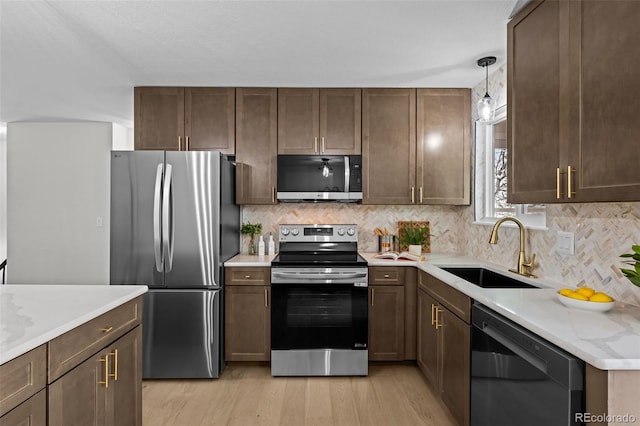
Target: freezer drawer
(181, 334)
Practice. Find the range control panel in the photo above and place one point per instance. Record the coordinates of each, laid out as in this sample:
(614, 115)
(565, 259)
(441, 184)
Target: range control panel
(318, 232)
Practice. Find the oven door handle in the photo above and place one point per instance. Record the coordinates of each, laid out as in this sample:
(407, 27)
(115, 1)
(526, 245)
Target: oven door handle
(319, 276)
(515, 348)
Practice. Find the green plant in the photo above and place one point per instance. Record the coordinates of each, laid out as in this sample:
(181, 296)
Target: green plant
(251, 229)
(413, 234)
(632, 274)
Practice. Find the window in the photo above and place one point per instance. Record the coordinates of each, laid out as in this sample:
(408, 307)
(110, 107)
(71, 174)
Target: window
(491, 174)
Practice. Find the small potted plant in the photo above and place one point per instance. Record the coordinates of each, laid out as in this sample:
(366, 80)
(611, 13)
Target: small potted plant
(632, 274)
(414, 236)
(252, 229)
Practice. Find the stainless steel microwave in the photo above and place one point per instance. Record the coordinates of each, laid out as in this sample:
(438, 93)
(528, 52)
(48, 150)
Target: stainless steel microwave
(319, 178)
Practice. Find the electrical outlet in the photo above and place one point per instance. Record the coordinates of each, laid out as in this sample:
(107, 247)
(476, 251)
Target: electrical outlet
(565, 243)
(99, 222)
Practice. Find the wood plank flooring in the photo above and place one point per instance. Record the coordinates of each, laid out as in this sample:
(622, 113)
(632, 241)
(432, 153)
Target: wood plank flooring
(395, 395)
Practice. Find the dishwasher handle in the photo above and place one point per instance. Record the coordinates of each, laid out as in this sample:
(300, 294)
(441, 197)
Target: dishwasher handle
(515, 348)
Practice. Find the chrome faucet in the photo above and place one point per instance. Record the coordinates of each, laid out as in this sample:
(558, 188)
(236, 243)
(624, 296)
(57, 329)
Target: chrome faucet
(523, 264)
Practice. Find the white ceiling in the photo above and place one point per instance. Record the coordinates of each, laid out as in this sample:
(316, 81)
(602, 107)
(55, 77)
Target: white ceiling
(79, 60)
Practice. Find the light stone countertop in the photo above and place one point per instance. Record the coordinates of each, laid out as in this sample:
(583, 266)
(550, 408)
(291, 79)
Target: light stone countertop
(31, 315)
(608, 341)
(251, 261)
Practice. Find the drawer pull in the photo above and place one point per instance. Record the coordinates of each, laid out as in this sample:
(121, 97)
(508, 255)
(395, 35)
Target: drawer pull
(373, 295)
(433, 317)
(106, 330)
(114, 354)
(438, 324)
(106, 371)
(386, 275)
(247, 276)
(266, 298)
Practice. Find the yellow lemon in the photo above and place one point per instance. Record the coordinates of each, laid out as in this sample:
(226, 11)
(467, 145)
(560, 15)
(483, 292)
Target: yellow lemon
(586, 291)
(578, 296)
(600, 297)
(565, 291)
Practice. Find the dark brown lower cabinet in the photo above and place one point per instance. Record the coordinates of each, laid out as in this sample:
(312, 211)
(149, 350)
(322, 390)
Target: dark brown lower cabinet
(386, 323)
(443, 352)
(247, 322)
(103, 390)
(32, 412)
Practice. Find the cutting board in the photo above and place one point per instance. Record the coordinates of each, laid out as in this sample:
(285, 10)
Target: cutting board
(426, 246)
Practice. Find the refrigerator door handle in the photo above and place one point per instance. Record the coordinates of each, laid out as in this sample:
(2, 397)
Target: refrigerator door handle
(157, 230)
(167, 219)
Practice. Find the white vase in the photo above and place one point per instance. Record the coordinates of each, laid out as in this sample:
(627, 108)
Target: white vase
(415, 249)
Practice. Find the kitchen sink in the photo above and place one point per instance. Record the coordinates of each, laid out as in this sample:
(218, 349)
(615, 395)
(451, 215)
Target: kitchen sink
(486, 278)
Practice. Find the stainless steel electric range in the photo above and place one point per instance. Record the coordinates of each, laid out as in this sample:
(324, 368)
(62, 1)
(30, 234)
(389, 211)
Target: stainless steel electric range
(319, 302)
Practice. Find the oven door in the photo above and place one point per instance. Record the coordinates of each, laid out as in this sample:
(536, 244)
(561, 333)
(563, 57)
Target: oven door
(322, 308)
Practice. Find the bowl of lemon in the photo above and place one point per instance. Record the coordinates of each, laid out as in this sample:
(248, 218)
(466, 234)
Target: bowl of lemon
(586, 298)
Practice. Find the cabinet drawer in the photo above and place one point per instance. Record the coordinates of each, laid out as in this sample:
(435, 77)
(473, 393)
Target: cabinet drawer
(32, 412)
(248, 276)
(22, 377)
(73, 347)
(457, 302)
(387, 275)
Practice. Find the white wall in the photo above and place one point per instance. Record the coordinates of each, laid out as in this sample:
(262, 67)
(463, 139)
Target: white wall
(3, 191)
(57, 188)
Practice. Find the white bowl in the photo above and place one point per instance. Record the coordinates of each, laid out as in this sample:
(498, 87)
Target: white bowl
(585, 304)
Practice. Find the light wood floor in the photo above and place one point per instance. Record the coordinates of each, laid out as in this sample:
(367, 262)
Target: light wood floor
(392, 395)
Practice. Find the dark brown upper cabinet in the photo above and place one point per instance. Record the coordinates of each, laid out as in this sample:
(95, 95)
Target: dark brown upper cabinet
(416, 153)
(257, 145)
(185, 118)
(319, 121)
(573, 107)
(443, 125)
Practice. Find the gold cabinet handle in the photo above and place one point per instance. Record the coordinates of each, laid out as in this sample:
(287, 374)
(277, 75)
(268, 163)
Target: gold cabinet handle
(106, 330)
(315, 144)
(558, 190)
(273, 194)
(322, 145)
(420, 196)
(106, 371)
(266, 298)
(413, 199)
(187, 147)
(433, 317)
(437, 323)
(386, 275)
(570, 192)
(373, 295)
(114, 354)
(247, 276)
(179, 143)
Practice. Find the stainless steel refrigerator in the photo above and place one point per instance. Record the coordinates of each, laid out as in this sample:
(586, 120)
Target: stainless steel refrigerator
(173, 224)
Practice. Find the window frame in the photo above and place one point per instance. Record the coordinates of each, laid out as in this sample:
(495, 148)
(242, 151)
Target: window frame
(484, 180)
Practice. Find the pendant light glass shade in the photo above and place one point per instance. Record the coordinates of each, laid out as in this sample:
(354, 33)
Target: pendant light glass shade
(486, 105)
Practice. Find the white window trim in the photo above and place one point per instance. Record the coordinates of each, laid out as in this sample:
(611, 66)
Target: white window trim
(483, 185)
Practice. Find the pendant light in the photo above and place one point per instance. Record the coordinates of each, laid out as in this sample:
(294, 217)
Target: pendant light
(486, 105)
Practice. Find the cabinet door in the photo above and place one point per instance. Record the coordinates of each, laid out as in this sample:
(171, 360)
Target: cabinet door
(386, 323)
(427, 346)
(256, 145)
(605, 102)
(443, 146)
(340, 121)
(32, 412)
(298, 121)
(210, 119)
(159, 118)
(125, 381)
(455, 364)
(389, 146)
(80, 396)
(537, 101)
(247, 323)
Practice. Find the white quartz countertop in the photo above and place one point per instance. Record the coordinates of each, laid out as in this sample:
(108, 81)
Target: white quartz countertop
(609, 340)
(31, 315)
(247, 260)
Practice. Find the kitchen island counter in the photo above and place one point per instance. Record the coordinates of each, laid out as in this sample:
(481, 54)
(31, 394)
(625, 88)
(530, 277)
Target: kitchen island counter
(31, 315)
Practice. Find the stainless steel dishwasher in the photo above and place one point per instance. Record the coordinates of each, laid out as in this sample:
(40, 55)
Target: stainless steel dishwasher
(518, 378)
